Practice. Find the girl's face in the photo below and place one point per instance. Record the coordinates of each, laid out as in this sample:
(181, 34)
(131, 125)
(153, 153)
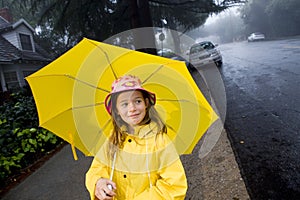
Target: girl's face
(131, 106)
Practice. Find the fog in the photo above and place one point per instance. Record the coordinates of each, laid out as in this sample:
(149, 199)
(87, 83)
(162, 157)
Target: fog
(225, 27)
(274, 18)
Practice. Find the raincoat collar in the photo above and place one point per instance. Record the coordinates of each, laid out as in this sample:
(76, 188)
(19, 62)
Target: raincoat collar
(143, 131)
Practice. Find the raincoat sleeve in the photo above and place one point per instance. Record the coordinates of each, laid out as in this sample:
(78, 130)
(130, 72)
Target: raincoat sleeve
(171, 183)
(96, 171)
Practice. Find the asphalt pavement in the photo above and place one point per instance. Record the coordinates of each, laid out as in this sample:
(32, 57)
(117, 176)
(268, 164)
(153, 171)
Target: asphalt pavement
(60, 178)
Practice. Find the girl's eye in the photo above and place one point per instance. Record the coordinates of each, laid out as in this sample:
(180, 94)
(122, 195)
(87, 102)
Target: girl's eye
(124, 105)
(138, 101)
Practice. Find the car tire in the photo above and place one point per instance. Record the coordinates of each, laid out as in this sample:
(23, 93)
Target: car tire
(219, 63)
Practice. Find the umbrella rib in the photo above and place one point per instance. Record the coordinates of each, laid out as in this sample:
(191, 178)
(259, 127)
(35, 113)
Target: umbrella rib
(108, 60)
(86, 106)
(105, 126)
(154, 72)
(170, 127)
(86, 83)
(150, 75)
(179, 100)
(76, 79)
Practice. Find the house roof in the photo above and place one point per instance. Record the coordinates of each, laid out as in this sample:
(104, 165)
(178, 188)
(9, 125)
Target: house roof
(22, 21)
(9, 53)
(3, 23)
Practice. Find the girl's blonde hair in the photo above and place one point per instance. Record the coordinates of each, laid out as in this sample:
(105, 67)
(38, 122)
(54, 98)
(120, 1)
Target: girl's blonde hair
(118, 135)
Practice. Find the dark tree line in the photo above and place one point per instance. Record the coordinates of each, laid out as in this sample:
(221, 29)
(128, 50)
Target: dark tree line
(275, 18)
(63, 23)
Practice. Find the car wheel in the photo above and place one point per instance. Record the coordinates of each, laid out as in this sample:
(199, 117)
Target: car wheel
(219, 63)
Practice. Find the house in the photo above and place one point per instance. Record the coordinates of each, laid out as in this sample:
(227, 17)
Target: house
(19, 54)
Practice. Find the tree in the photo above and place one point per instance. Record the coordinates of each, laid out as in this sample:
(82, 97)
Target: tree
(273, 17)
(181, 18)
(15, 10)
(139, 8)
(184, 16)
(255, 17)
(284, 17)
(99, 19)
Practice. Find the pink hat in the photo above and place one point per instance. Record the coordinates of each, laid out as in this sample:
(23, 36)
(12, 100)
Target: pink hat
(125, 83)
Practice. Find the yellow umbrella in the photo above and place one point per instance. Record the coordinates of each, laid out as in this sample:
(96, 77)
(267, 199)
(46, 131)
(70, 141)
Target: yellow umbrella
(70, 93)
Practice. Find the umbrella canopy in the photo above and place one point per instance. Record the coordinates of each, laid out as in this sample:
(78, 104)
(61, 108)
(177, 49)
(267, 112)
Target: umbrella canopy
(70, 93)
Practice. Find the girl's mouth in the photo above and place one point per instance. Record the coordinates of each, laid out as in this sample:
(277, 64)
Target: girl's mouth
(134, 115)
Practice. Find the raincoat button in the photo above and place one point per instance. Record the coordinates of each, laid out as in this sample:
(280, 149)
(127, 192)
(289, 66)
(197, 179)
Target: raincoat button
(124, 176)
(129, 140)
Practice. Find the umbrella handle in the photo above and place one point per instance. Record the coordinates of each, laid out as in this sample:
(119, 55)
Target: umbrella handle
(73, 146)
(113, 167)
(74, 152)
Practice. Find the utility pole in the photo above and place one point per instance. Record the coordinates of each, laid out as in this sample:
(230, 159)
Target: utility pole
(162, 36)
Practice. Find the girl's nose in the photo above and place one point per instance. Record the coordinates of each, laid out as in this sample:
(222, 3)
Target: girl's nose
(131, 107)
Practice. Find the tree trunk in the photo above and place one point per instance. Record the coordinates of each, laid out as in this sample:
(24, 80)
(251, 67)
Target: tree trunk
(140, 17)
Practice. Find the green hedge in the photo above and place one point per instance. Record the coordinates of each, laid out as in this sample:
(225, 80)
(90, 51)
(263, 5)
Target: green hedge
(22, 142)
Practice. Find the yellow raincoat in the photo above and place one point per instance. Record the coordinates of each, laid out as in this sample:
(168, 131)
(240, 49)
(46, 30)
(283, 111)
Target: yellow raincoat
(147, 167)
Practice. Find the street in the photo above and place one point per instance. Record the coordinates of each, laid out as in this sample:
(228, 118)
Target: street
(256, 94)
(261, 82)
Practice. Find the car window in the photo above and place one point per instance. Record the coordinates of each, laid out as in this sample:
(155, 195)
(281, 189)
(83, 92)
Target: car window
(195, 49)
(169, 54)
(201, 46)
(166, 53)
(207, 45)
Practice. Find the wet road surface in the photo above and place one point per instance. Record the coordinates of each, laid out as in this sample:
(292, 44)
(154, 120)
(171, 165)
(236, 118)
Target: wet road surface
(262, 82)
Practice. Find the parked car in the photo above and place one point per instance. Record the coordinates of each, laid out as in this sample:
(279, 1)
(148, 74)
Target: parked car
(205, 53)
(168, 53)
(256, 37)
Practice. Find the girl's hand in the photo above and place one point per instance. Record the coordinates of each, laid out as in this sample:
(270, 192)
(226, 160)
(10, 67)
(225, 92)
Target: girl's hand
(103, 191)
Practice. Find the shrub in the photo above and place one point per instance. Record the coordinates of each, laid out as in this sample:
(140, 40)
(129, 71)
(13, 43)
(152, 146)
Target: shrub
(22, 142)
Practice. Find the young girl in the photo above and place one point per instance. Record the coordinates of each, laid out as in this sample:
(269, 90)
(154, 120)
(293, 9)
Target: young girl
(139, 160)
